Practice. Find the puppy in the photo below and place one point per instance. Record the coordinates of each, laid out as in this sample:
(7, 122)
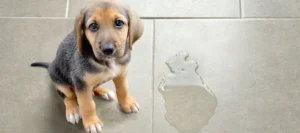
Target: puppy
(96, 51)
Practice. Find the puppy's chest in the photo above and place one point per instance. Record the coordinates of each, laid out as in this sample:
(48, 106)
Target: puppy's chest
(107, 73)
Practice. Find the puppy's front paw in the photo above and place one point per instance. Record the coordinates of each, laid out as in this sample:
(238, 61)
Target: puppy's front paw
(73, 115)
(129, 105)
(97, 128)
(72, 110)
(93, 126)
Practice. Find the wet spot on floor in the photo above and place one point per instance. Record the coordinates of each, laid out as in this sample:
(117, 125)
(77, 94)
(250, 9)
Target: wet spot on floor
(189, 102)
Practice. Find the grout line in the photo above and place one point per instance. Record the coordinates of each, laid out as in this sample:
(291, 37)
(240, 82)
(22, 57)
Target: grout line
(34, 18)
(272, 18)
(153, 72)
(189, 17)
(242, 9)
(67, 8)
(220, 18)
(179, 18)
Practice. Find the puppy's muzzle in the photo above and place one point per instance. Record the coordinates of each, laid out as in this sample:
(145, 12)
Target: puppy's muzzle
(108, 49)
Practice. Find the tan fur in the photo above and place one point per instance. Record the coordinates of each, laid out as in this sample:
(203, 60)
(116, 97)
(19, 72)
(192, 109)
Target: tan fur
(108, 73)
(70, 100)
(136, 28)
(78, 28)
(99, 91)
(66, 90)
(71, 105)
(93, 79)
(87, 108)
(105, 17)
(86, 104)
(124, 99)
(107, 32)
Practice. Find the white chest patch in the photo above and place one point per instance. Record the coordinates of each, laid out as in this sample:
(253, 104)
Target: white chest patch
(108, 72)
(112, 70)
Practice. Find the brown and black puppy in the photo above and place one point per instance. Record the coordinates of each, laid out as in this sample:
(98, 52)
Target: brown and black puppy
(96, 51)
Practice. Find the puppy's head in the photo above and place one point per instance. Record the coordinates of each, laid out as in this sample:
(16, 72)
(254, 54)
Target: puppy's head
(109, 27)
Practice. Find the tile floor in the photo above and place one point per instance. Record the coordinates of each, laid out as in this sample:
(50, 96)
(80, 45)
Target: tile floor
(247, 52)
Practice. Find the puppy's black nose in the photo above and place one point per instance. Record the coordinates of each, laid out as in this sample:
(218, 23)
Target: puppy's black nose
(108, 49)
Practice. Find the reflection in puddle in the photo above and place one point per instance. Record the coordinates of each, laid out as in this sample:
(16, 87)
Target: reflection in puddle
(188, 101)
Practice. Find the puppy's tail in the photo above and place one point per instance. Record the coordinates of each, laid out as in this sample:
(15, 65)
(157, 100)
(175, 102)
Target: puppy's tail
(40, 64)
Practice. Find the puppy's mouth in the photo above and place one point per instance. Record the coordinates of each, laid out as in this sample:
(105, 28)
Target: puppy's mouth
(102, 62)
(116, 54)
(100, 56)
(100, 59)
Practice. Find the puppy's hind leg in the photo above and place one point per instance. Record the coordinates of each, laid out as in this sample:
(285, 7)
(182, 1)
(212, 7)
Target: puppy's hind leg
(104, 93)
(72, 110)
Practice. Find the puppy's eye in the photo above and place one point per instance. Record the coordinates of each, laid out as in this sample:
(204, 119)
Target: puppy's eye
(93, 27)
(119, 23)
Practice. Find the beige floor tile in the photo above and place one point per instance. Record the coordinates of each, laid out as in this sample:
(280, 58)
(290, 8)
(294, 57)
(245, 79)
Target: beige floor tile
(178, 8)
(32, 8)
(271, 8)
(28, 101)
(251, 66)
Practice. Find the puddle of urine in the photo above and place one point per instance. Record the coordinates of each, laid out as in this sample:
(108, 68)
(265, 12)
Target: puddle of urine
(189, 102)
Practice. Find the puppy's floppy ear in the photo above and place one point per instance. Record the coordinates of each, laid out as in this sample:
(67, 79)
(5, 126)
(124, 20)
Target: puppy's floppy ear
(135, 27)
(78, 29)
